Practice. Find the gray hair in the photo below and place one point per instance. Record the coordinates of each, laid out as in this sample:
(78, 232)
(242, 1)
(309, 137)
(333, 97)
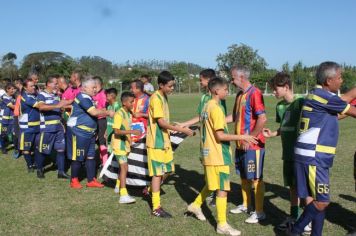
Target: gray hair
(326, 70)
(88, 79)
(243, 70)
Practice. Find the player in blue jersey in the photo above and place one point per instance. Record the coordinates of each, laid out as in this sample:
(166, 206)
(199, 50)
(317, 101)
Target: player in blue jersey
(316, 145)
(7, 106)
(51, 128)
(82, 125)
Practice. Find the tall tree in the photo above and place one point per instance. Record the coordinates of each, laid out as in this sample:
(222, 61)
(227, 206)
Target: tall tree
(9, 68)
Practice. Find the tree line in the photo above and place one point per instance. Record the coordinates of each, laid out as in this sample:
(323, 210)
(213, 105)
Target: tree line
(187, 74)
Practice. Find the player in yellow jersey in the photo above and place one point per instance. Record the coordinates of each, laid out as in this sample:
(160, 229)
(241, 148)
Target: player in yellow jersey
(122, 140)
(216, 155)
(159, 149)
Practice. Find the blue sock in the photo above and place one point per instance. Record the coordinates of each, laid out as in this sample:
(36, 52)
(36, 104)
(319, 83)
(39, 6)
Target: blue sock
(60, 161)
(28, 159)
(39, 159)
(318, 223)
(75, 168)
(309, 213)
(90, 164)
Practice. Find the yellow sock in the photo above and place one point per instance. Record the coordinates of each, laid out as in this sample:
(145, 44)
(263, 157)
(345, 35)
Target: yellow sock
(123, 192)
(221, 203)
(246, 192)
(117, 184)
(259, 195)
(202, 196)
(156, 200)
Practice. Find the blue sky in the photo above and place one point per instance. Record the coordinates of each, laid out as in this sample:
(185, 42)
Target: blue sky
(193, 31)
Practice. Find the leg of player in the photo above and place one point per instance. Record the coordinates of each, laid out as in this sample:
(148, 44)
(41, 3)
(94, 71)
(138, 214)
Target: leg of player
(75, 168)
(90, 167)
(259, 191)
(195, 207)
(60, 159)
(223, 227)
(125, 198)
(156, 200)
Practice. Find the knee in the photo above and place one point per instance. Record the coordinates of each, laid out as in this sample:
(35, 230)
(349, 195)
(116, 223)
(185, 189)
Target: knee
(321, 205)
(26, 152)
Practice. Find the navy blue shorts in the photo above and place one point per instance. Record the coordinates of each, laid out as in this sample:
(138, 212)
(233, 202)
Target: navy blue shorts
(312, 181)
(49, 141)
(79, 146)
(6, 130)
(249, 164)
(27, 141)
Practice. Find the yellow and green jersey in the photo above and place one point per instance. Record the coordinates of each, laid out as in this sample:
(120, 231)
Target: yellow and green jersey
(157, 137)
(122, 121)
(206, 98)
(288, 115)
(212, 119)
(109, 130)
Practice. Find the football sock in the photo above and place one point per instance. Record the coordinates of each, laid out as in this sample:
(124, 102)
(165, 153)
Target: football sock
(246, 192)
(156, 201)
(259, 195)
(205, 192)
(221, 203)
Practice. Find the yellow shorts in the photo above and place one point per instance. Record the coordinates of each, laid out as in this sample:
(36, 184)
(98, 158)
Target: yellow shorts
(217, 177)
(159, 161)
(122, 159)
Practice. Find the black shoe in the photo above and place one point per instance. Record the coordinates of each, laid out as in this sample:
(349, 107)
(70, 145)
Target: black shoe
(40, 174)
(63, 175)
(159, 212)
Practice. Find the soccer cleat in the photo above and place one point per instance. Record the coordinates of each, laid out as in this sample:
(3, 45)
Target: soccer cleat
(63, 175)
(74, 183)
(94, 184)
(40, 174)
(159, 212)
(284, 225)
(127, 199)
(196, 211)
(288, 231)
(239, 209)
(226, 229)
(255, 217)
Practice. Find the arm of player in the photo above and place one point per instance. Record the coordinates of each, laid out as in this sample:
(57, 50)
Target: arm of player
(119, 132)
(221, 136)
(46, 107)
(267, 133)
(140, 114)
(351, 112)
(189, 122)
(100, 112)
(165, 125)
(261, 121)
(229, 119)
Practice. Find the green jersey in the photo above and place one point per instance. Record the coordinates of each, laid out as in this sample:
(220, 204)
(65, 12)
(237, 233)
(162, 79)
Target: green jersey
(288, 115)
(115, 107)
(204, 100)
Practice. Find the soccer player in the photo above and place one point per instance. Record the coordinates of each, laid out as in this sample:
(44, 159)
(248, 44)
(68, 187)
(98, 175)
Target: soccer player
(316, 145)
(159, 149)
(81, 131)
(250, 117)
(121, 141)
(19, 85)
(51, 128)
(139, 109)
(287, 114)
(113, 105)
(100, 103)
(75, 79)
(216, 155)
(7, 114)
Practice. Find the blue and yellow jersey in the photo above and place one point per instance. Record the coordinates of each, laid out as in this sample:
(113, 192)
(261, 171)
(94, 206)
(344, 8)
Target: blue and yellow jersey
(80, 118)
(29, 119)
(157, 137)
(50, 120)
(319, 131)
(212, 119)
(122, 121)
(6, 113)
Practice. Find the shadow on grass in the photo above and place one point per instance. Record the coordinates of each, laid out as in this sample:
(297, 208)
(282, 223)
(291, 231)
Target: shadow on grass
(338, 215)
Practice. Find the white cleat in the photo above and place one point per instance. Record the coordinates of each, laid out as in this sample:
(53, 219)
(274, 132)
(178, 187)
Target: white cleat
(196, 211)
(127, 199)
(227, 230)
(255, 217)
(239, 209)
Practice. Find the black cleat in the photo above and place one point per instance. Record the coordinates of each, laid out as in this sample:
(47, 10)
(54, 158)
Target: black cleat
(63, 175)
(40, 174)
(159, 212)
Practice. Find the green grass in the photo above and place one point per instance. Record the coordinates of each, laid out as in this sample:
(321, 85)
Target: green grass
(40, 207)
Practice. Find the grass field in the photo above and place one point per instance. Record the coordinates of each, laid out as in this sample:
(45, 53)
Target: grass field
(30, 206)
